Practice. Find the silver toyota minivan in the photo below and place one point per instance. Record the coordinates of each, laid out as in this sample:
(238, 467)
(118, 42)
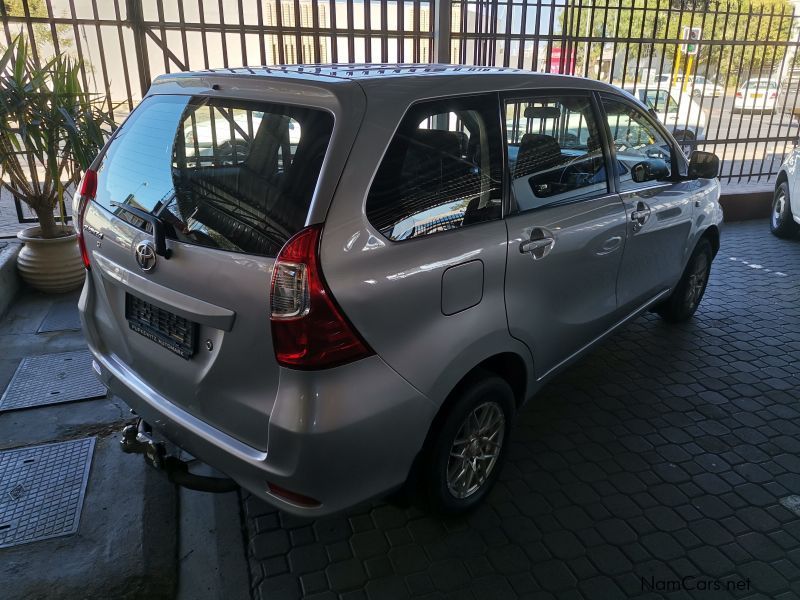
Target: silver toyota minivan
(329, 281)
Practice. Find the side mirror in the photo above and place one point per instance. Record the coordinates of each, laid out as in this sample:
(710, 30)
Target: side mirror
(651, 169)
(703, 165)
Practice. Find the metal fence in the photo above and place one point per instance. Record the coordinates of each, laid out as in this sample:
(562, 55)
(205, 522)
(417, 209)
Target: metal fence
(636, 44)
(733, 93)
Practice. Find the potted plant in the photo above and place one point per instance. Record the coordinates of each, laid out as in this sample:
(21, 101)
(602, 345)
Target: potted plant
(50, 131)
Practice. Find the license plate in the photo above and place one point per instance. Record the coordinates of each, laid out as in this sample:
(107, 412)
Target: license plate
(168, 330)
(758, 95)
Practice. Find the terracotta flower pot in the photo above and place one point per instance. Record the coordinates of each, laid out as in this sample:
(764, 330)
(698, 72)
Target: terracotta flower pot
(52, 265)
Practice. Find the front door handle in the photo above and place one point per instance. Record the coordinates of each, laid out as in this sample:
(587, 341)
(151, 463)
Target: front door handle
(539, 245)
(640, 215)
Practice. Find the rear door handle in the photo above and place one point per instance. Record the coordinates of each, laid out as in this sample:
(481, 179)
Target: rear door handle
(640, 215)
(540, 244)
(532, 245)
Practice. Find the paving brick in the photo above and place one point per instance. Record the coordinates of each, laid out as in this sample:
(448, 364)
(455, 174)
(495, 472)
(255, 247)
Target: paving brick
(369, 543)
(272, 543)
(304, 559)
(346, 574)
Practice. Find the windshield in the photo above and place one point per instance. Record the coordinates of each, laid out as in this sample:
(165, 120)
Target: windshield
(229, 174)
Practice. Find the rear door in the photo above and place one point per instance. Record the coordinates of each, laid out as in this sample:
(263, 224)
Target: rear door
(229, 181)
(659, 209)
(566, 230)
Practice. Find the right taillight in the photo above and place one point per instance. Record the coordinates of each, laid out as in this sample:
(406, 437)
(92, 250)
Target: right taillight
(739, 94)
(309, 331)
(87, 192)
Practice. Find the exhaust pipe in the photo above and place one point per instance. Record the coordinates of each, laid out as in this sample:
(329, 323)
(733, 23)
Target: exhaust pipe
(137, 439)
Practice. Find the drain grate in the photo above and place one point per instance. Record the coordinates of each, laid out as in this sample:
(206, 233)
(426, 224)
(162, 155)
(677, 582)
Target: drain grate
(42, 490)
(52, 379)
(62, 316)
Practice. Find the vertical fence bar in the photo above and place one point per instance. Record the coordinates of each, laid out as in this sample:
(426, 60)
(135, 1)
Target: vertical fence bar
(442, 15)
(136, 23)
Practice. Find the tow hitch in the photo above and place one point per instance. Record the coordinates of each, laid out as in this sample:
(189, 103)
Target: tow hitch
(138, 439)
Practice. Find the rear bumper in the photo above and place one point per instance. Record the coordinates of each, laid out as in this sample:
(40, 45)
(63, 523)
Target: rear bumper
(340, 436)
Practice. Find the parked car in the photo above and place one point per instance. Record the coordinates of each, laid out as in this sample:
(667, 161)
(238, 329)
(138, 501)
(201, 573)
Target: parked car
(785, 219)
(757, 95)
(330, 322)
(700, 86)
(677, 111)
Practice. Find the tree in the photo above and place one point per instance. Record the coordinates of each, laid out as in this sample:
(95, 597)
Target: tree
(730, 25)
(43, 34)
(50, 129)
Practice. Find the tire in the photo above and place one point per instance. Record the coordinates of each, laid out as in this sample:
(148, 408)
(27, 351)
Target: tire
(781, 222)
(486, 397)
(697, 93)
(686, 297)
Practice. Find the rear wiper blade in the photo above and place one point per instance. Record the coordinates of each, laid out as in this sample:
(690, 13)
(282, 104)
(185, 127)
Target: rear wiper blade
(159, 237)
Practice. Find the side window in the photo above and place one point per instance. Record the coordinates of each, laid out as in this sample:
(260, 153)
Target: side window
(554, 150)
(661, 101)
(643, 154)
(442, 170)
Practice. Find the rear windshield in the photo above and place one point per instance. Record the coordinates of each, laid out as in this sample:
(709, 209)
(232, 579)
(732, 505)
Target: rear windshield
(761, 85)
(228, 174)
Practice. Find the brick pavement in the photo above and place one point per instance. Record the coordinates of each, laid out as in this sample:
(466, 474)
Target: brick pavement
(663, 454)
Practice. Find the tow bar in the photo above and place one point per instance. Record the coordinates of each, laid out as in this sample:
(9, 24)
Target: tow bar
(138, 439)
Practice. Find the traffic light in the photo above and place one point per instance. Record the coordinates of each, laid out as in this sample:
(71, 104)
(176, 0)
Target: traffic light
(692, 36)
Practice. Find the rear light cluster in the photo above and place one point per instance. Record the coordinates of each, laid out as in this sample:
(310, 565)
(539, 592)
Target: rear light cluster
(87, 192)
(739, 95)
(309, 331)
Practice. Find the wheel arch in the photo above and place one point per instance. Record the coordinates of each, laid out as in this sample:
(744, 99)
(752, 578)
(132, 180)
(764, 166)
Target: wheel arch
(508, 365)
(712, 235)
(783, 177)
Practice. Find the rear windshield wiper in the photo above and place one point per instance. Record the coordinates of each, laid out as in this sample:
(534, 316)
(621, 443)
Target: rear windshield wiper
(159, 237)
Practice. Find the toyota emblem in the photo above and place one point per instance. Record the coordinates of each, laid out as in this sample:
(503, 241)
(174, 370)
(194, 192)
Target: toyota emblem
(146, 255)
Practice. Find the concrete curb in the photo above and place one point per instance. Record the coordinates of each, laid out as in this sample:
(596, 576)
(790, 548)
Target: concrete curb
(212, 563)
(10, 282)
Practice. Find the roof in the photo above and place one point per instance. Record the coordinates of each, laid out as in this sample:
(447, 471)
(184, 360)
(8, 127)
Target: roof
(364, 70)
(412, 81)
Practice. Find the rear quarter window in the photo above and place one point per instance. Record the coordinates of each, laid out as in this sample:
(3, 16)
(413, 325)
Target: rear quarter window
(227, 174)
(441, 171)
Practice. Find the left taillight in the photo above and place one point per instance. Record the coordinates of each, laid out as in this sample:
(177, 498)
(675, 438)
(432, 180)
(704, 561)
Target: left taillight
(309, 330)
(86, 194)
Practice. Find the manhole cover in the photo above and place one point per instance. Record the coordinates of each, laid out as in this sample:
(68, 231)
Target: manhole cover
(51, 379)
(42, 489)
(62, 316)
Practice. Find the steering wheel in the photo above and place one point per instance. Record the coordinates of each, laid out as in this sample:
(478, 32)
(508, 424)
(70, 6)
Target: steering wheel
(655, 151)
(229, 151)
(570, 139)
(622, 145)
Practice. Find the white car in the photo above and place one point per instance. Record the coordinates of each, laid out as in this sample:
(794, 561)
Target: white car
(678, 112)
(785, 218)
(757, 94)
(700, 86)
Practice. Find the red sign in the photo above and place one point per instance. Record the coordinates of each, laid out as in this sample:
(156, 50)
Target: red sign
(556, 61)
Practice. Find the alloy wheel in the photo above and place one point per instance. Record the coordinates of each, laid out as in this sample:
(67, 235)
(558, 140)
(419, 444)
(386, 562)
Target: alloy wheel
(777, 209)
(697, 280)
(475, 449)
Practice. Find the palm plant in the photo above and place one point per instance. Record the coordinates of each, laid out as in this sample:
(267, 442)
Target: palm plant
(50, 130)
